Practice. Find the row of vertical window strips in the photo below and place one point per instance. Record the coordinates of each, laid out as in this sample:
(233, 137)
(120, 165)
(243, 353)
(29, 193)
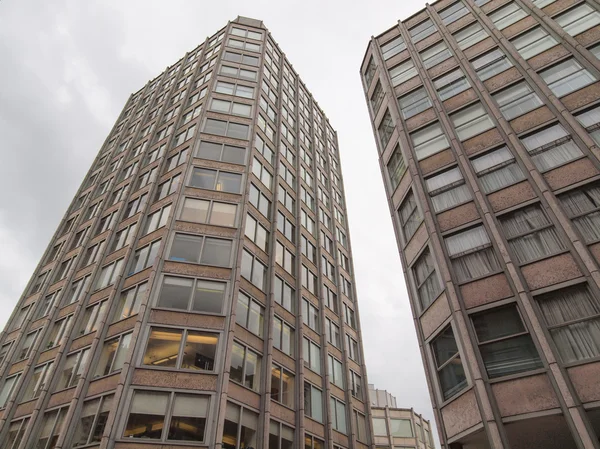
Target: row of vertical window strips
(46, 367)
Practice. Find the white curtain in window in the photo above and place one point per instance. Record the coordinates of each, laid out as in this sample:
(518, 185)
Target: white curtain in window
(426, 280)
(579, 340)
(579, 19)
(467, 241)
(410, 218)
(533, 42)
(499, 170)
(579, 202)
(524, 220)
(471, 121)
(567, 77)
(544, 137)
(591, 117)
(402, 72)
(491, 64)
(556, 156)
(467, 37)
(429, 141)
(451, 196)
(517, 100)
(474, 265)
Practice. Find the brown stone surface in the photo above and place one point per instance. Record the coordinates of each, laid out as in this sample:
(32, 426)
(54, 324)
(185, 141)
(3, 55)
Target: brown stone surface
(548, 56)
(104, 384)
(550, 271)
(493, 5)
(589, 36)
(243, 395)
(558, 6)
(122, 326)
(428, 41)
(435, 315)
(479, 47)
(187, 319)
(502, 79)
(174, 379)
(582, 97)
(283, 413)
(396, 59)
(585, 380)
(459, 100)
(595, 250)
(532, 119)
(196, 270)
(62, 397)
(48, 355)
(482, 141)
(524, 395)
(461, 414)
(136, 278)
(521, 25)
(25, 408)
(401, 190)
(388, 35)
(407, 86)
(83, 341)
(436, 161)
(457, 216)
(442, 67)
(571, 173)
(420, 119)
(339, 438)
(485, 291)
(149, 445)
(418, 240)
(18, 366)
(416, 19)
(511, 196)
(461, 23)
(197, 228)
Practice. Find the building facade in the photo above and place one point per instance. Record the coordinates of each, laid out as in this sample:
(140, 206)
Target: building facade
(199, 290)
(486, 117)
(381, 398)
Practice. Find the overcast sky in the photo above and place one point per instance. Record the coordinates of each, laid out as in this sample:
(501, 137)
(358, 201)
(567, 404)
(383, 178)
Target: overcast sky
(68, 66)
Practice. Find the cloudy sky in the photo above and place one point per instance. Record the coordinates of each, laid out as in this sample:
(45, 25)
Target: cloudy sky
(70, 65)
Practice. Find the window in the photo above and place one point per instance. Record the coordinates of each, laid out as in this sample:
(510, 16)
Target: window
(389, 49)
(451, 84)
(360, 422)
(284, 294)
(572, 315)
(109, 274)
(386, 129)
(242, 45)
(130, 301)
(253, 269)
(338, 414)
(313, 402)
(497, 169)
(517, 100)
(285, 258)
(541, 3)
(336, 371)
(280, 436)
(77, 291)
(426, 280)
(283, 336)
(380, 427)
(50, 429)
(583, 207)
(92, 421)
(410, 217)
(92, 317)
(491, 64)
(73, 369)
(125, 236)
(262, 173)
(448, 363)
(238, 72)
(414, 103)
(435, 55)
(234, 89)
(246, 33)
(447, 190)
(469, 36)
(196, 295)
(187, 415)
(453, 13)
(45, 305)
(5, 350)
(471, 254)
(15, 434)
(62, 271)
(286, 199)
(506, 347)
(312, 355)
(369, 72)
(590, 119)
(287, 228)
(184, 136)
(221, 152)
(236, 436)
(58, 331)
(8, 388)
(144, 257)
(39, 381)
(356, 385)
(201, 249)
(228, 129)
(256, 232)
(471, 121)
(578, 19)
(401, 428)
(211, 212)
(507, 15)
(429, 141)
(133, 208)
(181, 349)
(203, 178)
(176, 160)
(113, 355)
(263, 148)
(245, 367)
(282, 385)
(332, 332)
(566, 77)
(250, 314)
(533, 42)
(551, 147)
(309, 279)
(530, 234)
(155, 220)
(230, 107)
(402, 72)
(308, 249)
(310, 315)
(421, 31)
(352, 348)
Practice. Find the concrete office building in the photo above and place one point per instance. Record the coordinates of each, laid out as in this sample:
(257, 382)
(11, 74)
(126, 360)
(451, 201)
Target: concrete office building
(395, 427)
(199, 290)
(486, 116)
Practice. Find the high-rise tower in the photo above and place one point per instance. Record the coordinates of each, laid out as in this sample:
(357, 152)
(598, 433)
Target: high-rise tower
(199, 290)
(486, 116)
